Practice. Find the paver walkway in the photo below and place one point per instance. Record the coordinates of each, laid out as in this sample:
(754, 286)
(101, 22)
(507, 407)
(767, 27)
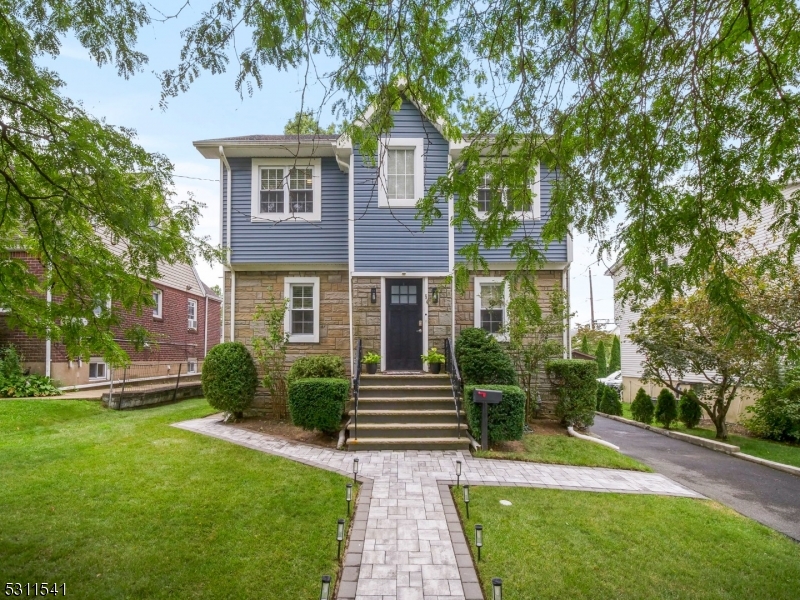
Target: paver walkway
(407, 542)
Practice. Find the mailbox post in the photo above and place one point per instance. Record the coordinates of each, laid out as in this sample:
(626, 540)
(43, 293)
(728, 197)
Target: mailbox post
(485, 398)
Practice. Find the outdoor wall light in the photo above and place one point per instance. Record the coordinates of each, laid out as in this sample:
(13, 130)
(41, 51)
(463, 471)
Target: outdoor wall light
(466, 498)
(479, 539)
(458, 473)
(348, 496)
(373, 295)
(435, 295)
(325, 592)
(497, 589)
(339, 536)
(355, 469)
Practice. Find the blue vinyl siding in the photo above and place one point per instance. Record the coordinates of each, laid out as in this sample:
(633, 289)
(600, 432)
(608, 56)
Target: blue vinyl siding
(391, 240)
(289, 242)
(555, 252)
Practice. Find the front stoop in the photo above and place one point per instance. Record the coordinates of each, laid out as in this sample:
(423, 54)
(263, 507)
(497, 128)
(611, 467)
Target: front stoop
(406, 412)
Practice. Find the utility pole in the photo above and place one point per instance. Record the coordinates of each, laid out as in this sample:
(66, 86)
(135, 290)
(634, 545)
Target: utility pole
(591, 298)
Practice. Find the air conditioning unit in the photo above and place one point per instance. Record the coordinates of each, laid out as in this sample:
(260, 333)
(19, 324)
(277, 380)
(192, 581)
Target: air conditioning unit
(192, 323)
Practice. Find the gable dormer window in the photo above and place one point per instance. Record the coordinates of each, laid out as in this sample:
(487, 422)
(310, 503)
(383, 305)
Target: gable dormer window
(286, 190)
(401, 172)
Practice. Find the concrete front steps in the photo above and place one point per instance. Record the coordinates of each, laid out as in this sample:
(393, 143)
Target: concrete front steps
(406, 412)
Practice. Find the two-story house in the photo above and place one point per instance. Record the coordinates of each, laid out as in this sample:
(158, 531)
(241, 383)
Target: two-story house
(308, 218)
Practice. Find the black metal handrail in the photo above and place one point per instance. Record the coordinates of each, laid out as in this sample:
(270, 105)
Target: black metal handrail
(356, 383)
(451, 366)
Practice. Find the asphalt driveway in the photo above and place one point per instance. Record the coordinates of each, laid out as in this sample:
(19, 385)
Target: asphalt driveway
(766, 495)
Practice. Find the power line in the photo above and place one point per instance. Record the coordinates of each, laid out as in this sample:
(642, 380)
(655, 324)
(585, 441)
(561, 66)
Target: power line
(198, 178)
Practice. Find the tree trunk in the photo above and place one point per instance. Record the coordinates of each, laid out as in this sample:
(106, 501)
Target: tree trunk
(721, 427)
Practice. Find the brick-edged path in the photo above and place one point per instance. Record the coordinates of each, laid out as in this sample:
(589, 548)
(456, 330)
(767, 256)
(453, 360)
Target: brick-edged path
(407, 542)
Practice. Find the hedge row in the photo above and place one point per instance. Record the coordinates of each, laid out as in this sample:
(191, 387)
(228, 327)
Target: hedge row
(318, 403)
(506, 420)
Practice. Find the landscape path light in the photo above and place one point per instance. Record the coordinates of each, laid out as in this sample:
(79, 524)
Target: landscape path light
(339, 536)
(479, 539)
(355, 469)
(458, 473)
(325, 592)
(466, 498)
(348, 496)
(497, 589)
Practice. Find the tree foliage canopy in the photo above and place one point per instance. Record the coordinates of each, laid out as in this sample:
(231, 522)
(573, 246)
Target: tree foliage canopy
(77, 195)
(306, 123)
(682, 116)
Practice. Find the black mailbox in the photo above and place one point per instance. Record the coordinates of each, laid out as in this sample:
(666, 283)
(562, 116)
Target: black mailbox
(485, 398)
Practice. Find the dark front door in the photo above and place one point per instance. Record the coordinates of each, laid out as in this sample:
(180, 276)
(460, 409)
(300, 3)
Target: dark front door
(404, 324)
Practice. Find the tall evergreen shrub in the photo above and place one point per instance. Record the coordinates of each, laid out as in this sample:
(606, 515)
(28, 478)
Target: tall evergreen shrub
(576, 385)
(602, 368)
(642, 407)
(609, 402)
(616, 356)
(666, 408)
(229, 378)
(689, 411)
(482, 360)
(585, 345)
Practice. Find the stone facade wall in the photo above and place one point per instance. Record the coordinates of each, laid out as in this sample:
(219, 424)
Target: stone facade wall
(260, 287)
(440, 318)
(465, 318)
(366, 315)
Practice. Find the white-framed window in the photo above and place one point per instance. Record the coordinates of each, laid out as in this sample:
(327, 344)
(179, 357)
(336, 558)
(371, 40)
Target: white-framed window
(286, 190)
(526, 203)
(97, 369)
(158, 300)
(100, 308)
(401, 165)
(302, 313)
(191, 366)
(191, 313)
(491, 305)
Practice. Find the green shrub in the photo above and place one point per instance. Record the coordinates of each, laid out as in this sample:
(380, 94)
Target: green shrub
(602, 368)
(599, 394)
(10, 363)
(576, 386)
(689, 411)
(609, 402)
(326, 366)
(506, 420)
(615, 363)
(481, 359)
(642, 407)
(666, 408)
(776, 415)
(229, 378)
(27, 386)
(318, 403)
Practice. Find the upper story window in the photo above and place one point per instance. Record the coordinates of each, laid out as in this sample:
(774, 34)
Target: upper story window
(524, 202)
(491, 304)
(158, 301)
(286, 190)
(191, 312)
(401, 172)
(302, 314)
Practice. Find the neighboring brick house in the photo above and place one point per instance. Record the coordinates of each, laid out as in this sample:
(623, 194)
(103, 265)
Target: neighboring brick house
(185, 325)
(306, 218)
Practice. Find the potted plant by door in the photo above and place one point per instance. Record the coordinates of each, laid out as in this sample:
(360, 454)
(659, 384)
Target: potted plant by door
(372, 360)
(435, 360)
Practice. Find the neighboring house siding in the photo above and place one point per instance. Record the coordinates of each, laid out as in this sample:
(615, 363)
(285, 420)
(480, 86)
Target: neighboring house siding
(391, 240)
(288, 242)
(555, 252)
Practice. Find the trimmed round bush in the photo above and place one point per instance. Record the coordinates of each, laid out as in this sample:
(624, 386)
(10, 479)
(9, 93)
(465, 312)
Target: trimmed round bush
(326, 366)
(506, 420)
(609, 402)
(318, 403)
(482, 360)
(689, 411)
(642, 407)
(576, 386)
(666, 408)
(229, 378)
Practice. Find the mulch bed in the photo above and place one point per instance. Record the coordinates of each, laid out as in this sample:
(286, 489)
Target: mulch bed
(538, 427)
(287, 431)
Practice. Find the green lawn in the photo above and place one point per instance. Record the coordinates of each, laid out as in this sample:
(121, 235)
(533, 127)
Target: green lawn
(561, 544)
(788, 454)
(120, 505)
(563, 450)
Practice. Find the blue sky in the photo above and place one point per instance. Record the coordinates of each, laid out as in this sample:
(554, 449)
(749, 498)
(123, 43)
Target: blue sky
(212, 108)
